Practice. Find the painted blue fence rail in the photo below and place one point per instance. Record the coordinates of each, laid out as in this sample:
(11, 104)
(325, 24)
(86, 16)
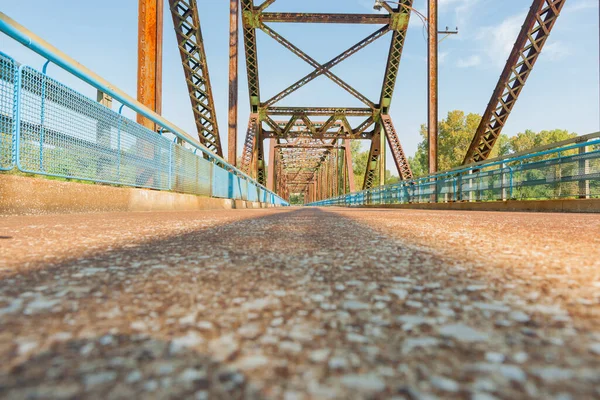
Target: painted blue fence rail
(47, 128)
(570, 169)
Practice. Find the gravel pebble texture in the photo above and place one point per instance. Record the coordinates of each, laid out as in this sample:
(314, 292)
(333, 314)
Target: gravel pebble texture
(300, 303)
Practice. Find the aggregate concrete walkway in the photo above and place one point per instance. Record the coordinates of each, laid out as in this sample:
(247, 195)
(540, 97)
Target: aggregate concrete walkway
(300, 303)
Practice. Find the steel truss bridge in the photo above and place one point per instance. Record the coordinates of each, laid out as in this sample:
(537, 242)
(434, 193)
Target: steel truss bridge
(309, 147)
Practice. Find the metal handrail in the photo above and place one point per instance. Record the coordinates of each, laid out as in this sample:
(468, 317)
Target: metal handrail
(32, 41)
(553, 148)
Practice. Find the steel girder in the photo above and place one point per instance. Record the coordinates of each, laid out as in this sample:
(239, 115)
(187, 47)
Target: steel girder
(387, 91)
(337, 126)
(299, 138)
(528, 46)
(397, 151)
(193, 57)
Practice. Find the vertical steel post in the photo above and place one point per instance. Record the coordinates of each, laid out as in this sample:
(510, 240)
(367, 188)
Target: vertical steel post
(584, 184)
(271, 166)
(150, 32)
(432, 109)
(382, 136)
(504, 192)
(349, 165)
(233, 81)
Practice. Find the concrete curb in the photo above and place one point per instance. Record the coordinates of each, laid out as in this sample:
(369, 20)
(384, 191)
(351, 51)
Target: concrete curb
(27, 195)
(566, 206)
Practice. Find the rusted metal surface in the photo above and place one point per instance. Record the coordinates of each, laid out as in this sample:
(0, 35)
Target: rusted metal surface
(315, 156)
(432, 79)
(395, 55)
(233, 82)
(533, 35)
(149, 75)
(191, 48)
(349, 169)
(321, 111)
(397, 152)
(371, 170)
(326, 18)
(311, 61)
(327, 66)
(249, 145)
(249, 29)
(271, 167)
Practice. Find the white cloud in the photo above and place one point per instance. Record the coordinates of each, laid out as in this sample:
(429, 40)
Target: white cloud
(499, 40)
(581, 5)
(469, 62)
(555, 51)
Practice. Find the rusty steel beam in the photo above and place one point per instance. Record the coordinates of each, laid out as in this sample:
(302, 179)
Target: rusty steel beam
(233, 81)
(401, 19)
(400, 158)
(251, 54)
(334, 18)
(249, 145)
(371, 170)
(327, 66)
(265, 4)
(273, 156)
(349, 166)
(533, 35)
(193, 57)
(320, 111)
(432, 93)
(312, 62)
(149, 72)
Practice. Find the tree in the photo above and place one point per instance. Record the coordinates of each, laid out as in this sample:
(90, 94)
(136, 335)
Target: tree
(359, 166)
(454, 137)
(359, 163)
(529, 139)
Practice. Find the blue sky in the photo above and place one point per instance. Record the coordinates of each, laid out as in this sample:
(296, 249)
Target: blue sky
(562, 92)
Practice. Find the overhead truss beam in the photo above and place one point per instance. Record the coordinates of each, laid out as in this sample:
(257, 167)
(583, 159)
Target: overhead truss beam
(314, 155)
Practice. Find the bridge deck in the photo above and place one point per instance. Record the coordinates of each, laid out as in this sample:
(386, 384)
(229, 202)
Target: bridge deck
(339, 303)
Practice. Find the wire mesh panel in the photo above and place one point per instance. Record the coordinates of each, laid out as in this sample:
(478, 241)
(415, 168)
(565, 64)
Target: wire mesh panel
(191, 173)
(8, 70)
(64, 133)
(222, 183)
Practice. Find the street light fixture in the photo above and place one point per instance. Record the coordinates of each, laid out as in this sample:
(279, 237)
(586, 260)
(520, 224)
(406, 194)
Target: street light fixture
(379, 4)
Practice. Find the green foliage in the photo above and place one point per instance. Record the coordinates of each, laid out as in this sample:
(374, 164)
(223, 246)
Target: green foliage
(359, 163)
(297, 199)
(454, 137)
(529, 139)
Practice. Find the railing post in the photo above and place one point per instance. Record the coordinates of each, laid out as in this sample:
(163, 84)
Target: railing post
(511, 182)
(119, 142)
(503, 181)
(470, 185)
(17, 117)
(42, 116)
(170, 165)
(584, 165)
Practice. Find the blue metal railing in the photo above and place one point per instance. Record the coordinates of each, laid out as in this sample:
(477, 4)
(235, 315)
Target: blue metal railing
(569, 169)
(47, 128)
